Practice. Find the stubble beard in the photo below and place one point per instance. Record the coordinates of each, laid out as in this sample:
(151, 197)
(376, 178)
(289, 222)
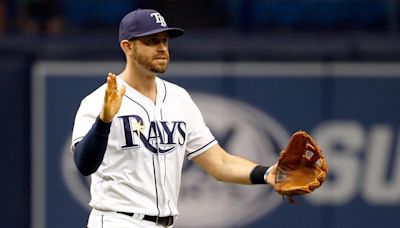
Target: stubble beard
(146, 63)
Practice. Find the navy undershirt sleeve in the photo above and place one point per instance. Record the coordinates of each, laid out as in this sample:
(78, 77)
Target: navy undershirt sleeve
(89, 152)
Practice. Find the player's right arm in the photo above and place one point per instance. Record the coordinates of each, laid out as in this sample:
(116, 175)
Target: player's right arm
(89, 152)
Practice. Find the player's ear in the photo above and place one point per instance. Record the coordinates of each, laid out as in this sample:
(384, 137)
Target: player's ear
(126, 46)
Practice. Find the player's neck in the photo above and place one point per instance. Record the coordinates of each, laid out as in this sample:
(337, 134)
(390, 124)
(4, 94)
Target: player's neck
(143, 83)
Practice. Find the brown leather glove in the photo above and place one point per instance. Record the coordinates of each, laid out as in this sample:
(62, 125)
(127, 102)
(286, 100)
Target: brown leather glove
(301, 167)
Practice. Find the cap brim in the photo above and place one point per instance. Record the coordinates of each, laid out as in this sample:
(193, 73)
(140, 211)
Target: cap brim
(172, 32)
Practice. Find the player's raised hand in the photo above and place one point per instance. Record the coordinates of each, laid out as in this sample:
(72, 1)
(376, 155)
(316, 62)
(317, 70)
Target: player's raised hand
(112, 99)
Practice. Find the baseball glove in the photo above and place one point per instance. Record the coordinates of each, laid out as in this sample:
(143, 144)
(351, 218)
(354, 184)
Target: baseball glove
(301, 167)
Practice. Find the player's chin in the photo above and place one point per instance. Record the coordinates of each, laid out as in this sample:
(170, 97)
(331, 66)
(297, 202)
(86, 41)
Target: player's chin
(160, 68)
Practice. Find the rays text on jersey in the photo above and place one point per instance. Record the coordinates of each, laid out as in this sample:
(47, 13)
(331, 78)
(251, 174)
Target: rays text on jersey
(156, 136)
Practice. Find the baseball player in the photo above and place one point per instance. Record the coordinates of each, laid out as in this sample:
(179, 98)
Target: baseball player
(133, 133)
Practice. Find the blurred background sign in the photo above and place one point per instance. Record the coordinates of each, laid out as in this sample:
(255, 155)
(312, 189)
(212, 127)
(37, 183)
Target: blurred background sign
(252, 108)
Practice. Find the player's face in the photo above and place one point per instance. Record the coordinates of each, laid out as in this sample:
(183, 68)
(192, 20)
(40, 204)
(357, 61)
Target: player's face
(151, 52)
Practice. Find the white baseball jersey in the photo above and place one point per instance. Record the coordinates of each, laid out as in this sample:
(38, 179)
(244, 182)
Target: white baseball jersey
(147, 144)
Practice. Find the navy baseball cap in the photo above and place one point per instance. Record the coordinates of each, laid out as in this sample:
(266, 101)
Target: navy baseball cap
(144, 22)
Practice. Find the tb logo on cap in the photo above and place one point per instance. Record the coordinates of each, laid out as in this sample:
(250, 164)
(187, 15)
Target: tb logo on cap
(159, 19)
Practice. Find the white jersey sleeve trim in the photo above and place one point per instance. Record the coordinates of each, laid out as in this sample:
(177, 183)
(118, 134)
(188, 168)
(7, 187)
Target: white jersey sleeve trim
(74, 142)
(202, 149)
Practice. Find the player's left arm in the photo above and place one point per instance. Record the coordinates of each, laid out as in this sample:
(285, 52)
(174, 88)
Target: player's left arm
(229, 168)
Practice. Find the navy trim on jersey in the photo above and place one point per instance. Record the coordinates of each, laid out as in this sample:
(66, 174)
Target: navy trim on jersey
(162, 118)
(165, 96)
(148, 116)
(165, 91)
(165, 178)
(200, 148)
(155, 185)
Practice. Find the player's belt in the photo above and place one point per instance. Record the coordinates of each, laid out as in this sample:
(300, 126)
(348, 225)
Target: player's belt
(164, 221)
